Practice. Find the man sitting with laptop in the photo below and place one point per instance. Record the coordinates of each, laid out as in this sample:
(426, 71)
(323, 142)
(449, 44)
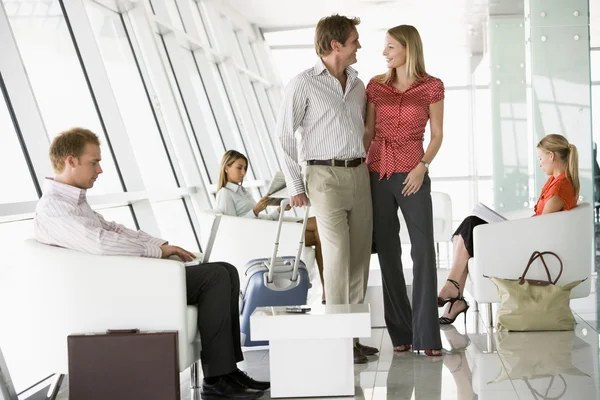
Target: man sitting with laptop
(64, 218)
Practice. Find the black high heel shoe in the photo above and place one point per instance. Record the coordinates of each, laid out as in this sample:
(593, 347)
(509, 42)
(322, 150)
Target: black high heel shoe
(448, 321)
(442, 302)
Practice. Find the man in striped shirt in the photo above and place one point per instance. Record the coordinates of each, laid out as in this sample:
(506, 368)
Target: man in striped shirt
(64, 218)
(325, 107)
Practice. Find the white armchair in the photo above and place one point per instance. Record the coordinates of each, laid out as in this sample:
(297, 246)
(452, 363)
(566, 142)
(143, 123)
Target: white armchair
(72, 292)
(502, 250)
(239, 240)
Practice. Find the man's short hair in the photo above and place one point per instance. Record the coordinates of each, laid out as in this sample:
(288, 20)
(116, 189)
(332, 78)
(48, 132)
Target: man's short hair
(335, 27)
(70, 143)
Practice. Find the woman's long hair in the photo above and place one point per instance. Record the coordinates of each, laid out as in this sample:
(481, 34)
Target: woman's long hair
(409, 38)
(228, 159)
(567, 153)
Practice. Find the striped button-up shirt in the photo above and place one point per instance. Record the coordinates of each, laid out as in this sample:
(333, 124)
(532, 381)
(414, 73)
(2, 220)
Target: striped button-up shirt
(64, 218)
(329, 121)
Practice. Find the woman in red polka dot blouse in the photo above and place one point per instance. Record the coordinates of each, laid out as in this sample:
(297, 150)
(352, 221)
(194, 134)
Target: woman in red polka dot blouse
(400, 102)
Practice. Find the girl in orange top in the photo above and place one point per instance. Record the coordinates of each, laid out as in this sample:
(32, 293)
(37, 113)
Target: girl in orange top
(559, 159)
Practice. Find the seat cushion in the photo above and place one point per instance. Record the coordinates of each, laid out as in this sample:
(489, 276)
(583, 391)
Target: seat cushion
(192, 323)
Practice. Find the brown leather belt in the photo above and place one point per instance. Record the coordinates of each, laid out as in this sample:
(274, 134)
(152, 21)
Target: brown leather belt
(337, 163)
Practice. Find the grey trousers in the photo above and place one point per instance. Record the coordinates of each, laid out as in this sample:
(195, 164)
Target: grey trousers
(419, 326)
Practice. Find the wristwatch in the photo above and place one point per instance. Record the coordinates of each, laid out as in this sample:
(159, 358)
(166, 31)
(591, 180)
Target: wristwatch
(425, 163)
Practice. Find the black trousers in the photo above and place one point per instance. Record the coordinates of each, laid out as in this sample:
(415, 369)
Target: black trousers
(214, 288)
(418, 326)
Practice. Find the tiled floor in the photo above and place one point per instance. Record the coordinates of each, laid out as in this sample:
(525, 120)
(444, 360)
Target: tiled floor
(476, 364)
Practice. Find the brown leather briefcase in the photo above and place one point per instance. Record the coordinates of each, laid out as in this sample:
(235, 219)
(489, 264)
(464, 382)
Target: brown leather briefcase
(124, 365)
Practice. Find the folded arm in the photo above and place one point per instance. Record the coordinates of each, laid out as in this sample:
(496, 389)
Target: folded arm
(81, 234)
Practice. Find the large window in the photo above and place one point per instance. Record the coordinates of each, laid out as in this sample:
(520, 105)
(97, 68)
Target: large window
(132, 96)
(174, 223)
(213, 169)
(58, 80)
(15, 178)
(207, 113)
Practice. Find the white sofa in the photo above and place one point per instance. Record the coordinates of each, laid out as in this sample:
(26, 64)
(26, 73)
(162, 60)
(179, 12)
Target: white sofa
(72, 292)
(239, 240)
(502, 250)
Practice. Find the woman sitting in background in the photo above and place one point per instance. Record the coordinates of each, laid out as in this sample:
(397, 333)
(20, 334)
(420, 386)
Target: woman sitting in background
(559, 159)
(234, 200)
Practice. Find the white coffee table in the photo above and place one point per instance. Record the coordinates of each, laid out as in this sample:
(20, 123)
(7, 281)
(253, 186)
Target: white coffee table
(311, 354)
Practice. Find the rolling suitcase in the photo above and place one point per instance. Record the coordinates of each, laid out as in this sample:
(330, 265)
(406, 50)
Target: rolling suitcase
(275, 281)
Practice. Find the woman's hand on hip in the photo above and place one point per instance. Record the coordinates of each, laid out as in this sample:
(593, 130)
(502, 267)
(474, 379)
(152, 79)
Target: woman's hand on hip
(414, 180)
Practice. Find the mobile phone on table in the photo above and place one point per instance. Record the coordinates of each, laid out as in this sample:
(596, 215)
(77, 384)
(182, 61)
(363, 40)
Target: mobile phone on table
(297, 309)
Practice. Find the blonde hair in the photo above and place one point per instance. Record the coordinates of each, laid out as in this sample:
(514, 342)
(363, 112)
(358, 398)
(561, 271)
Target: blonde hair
(70, 143)
(408, 36)
(335, 27)
(228, 159)
(566, 152)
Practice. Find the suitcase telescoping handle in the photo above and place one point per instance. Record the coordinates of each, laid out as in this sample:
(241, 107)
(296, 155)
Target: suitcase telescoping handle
(283, 206)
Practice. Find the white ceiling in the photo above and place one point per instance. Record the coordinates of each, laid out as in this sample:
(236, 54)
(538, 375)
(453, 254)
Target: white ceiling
(373, 13)
(440, 22)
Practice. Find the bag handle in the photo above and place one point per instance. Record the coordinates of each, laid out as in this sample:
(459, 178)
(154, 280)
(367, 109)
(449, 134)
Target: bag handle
(283, 206)
(121, 331)
(535, 393)
(539, 254)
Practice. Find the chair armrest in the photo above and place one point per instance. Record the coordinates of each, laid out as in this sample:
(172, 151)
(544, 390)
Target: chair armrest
(242, 239)
(502, 250)
(72, 292)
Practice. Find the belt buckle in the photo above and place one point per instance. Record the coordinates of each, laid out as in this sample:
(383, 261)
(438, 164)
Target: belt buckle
(346, 163)
(333, 162)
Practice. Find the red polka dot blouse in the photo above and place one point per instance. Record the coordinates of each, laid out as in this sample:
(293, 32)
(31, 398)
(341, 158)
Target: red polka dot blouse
(400, 120)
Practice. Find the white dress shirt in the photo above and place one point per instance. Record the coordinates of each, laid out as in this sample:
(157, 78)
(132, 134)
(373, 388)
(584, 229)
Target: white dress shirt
(236, 201)
(64, 218)
(328, 120)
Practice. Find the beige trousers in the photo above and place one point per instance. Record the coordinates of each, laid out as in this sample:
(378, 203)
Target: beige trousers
(341, 200)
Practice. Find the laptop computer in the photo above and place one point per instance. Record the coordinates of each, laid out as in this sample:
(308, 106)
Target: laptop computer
(204, 257)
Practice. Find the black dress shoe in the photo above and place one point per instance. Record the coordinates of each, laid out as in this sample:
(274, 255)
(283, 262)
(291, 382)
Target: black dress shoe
(359, 358)
(227, 388)
(367, 350)
(243, 379)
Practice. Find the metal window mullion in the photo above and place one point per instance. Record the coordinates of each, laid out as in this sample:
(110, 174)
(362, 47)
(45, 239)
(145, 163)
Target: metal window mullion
(217, 102)
(24, 105)
(263, 54)
(153, 100)
(209, 79)
(260, 61)
(244, 117)
(240, 21)
(166, 139)
(247, 52)
(263, 100)
(253, 76)
(225, 37)
(267, 111)
(108, 109)
(215, 24)
(262, 137)
(166, 108)
(182, 73)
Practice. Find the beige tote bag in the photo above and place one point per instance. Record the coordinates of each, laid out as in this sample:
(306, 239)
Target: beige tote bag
(535, 305)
